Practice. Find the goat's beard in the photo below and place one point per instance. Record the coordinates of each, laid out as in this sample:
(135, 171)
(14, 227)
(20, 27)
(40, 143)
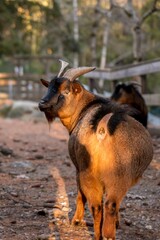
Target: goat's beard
(50, 117)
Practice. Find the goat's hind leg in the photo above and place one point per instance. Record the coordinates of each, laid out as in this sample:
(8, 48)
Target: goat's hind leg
(97, 212)
(111, 215)
(95, 203)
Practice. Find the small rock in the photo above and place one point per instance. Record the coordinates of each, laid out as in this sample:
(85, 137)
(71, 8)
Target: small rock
(134, 197)
(14, 194)
(39, 156)
(143, 218)
(63, 140)
(38, 185)
(6, 151)
(13, 222)
(65, 209)
(52, 222)
(31, 170)
(128, 205)
(48, 205)
(57, 213)
(63, 203)
(122, 214)
(31, 158)
(16, 140)
(128, 222)
(61, 196)
(43, 237)
(34, 150)
(1, 228)
(25, 205)
(22, 164)
(122, 209)
(13, 174)
(153, 192)
(54, 236)
(145, 204)
(50, 201)
(23, 176)
(67, 163)
(148, 227)
(148, 219)
(71, 194)
(41, 212)
(57, 206)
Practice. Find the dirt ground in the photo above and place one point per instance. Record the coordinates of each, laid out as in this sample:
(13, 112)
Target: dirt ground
(38, 188)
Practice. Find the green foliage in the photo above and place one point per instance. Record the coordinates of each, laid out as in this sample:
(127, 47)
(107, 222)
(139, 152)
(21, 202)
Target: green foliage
(33, 28)
(5, 111)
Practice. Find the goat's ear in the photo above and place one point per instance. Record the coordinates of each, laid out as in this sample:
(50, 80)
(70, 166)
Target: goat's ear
(77, 88)
(45, 82)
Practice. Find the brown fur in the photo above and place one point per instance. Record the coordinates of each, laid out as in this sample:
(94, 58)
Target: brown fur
(106, 164)
(128, 94)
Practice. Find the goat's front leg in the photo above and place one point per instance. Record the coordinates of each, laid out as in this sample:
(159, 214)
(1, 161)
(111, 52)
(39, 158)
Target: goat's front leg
(80, 204)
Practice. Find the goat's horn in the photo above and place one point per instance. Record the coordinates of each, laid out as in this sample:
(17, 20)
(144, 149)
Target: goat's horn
(63, 66)
(74, 73)
(135, 83)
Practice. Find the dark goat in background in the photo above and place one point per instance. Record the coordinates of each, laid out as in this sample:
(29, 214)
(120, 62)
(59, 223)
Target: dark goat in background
(109, 149)
(128, 94)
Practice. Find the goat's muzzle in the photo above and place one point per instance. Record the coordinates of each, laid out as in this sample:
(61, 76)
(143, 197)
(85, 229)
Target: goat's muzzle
(44, 106)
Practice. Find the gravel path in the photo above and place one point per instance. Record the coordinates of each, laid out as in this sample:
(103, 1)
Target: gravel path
(38, 188)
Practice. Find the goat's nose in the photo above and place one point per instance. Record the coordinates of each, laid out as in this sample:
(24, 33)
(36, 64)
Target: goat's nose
(42, 104)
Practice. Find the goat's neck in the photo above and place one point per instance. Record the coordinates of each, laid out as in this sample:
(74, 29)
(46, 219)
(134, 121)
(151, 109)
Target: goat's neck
(71, 121)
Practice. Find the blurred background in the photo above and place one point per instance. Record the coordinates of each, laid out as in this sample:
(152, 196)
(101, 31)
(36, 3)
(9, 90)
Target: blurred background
(119, 37)
(38, 181)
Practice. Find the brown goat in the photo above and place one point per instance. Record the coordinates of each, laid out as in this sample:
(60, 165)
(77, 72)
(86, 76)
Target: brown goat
(109, 149)
(128, 94)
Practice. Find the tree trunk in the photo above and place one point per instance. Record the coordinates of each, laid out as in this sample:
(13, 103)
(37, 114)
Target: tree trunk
(137, 34)
(137, 51)
(104, 51)
(92, 82)
(75, 32)
(137, 43)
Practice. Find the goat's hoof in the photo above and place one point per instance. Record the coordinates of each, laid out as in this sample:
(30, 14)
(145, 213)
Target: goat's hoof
(77, 222)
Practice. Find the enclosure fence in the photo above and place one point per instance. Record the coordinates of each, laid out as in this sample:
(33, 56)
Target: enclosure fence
(22, 86)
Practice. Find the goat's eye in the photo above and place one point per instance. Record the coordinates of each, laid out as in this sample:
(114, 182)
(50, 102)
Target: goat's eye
(60, 97)
(66, 91)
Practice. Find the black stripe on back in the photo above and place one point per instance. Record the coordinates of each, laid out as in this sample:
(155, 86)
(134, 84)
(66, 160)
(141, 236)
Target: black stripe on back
(105, 106)
(115, 120)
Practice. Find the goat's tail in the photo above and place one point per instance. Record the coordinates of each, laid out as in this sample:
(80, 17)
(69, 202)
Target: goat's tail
(115, 120)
